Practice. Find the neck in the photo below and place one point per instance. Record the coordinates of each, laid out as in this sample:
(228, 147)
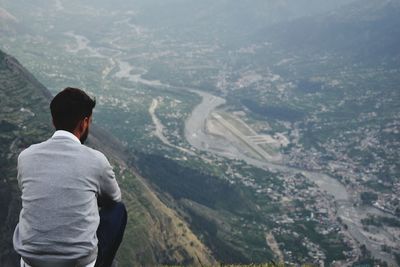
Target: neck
(77, 133)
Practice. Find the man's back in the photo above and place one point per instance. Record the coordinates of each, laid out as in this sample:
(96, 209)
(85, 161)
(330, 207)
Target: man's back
(60, 181)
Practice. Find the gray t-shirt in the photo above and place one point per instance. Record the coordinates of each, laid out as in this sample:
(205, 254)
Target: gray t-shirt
(61, 180)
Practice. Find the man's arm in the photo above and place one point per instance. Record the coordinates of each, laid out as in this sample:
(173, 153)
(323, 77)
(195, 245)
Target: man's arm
(109, 191)
(19, 169)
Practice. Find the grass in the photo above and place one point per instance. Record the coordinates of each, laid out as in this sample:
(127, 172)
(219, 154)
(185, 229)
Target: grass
(154, 233)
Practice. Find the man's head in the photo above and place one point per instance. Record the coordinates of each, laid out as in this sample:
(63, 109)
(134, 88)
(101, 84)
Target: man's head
(71, 110)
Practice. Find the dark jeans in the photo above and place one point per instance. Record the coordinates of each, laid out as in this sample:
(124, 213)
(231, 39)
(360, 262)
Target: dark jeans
(110, 232)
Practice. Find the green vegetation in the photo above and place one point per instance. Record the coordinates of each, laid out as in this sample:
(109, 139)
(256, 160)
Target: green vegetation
(186, 183)
(330, 244)
(368, 198)
(24, 119)
(221, 212)
(273, 112)
(380, 221)
(397, 255)
(175, 106)
(340, 113)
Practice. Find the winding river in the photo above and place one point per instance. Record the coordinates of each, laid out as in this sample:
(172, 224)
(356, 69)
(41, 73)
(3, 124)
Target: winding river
(196, 135)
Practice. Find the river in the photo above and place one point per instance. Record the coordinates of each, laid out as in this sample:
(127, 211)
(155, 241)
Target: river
(196, 135)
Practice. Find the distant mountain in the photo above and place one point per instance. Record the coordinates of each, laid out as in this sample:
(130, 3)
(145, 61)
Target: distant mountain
(9, 23)
(224, 19)
(209, 20)
(5, 15)
(155, 234)
(364, 29)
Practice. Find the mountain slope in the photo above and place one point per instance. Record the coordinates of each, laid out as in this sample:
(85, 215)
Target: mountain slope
(224, 19)
(22, 122)
(155, 234)
(8, 22)
(364, 29)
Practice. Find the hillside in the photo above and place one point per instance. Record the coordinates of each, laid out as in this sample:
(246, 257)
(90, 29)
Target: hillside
(231, 20)
(5, 15)
(365, 30)
(313, 83)
(155, 234)
(8, 22)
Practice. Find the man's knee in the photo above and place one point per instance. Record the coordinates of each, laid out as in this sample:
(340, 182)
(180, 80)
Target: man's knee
(120, 206)
(114, 213)
(119, 211)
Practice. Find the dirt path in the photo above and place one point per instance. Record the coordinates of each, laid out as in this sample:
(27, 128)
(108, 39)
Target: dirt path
(273, 245)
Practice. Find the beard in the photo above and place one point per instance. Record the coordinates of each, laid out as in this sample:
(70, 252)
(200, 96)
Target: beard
(84, 136)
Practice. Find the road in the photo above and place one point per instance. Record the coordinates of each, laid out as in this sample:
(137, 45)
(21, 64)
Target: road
(159, 128)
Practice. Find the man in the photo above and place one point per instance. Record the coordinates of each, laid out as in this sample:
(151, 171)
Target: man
(63, 182)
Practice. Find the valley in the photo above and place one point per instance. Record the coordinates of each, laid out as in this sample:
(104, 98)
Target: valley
(268, 154)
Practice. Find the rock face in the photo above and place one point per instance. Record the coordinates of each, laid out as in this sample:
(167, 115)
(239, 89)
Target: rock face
(155, 233)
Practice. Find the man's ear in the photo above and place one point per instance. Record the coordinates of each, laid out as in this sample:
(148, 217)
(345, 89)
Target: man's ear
(86, 121)
(84, 124)
(81, 126)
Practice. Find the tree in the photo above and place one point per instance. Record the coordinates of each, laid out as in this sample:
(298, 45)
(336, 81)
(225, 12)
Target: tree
(368, 198)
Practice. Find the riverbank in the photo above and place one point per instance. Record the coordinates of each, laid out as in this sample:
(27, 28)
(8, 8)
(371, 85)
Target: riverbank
(197, 136)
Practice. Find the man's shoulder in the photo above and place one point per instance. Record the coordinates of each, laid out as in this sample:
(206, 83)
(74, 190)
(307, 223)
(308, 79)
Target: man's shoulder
(95, 153)
(82, 150)
(31, 149)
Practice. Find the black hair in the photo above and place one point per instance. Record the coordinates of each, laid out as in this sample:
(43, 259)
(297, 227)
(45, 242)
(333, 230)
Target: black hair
(69, 107)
